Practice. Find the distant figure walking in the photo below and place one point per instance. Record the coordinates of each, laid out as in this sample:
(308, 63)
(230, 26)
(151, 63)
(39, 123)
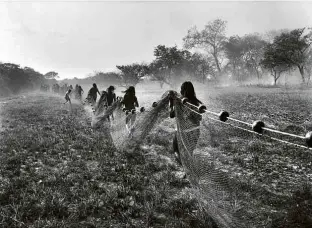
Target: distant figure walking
(129, 102)
(76, 91)
(67, 98)
(79, 92)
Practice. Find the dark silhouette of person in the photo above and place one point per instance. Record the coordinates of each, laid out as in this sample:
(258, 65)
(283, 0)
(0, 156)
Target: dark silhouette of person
(191, 130)
(92, 94)
(129, 102)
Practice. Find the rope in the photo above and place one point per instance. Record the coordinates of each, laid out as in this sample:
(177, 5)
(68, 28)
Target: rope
(284, 133)
(250, 131)
(243, 122)
(240, 121)
(253, 132)
(217, 114)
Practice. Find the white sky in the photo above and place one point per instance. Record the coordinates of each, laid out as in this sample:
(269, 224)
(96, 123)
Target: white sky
(76, 38)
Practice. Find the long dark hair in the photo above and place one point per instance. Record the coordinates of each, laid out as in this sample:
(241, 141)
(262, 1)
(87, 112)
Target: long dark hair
(188, 91)
(130, 91)
(110, 89)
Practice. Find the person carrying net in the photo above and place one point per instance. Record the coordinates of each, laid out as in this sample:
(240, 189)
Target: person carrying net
(92, 94)
(189, 127)
(102, 104)
(111, 97)
(76, 91)
(79, 92)
(129, 102)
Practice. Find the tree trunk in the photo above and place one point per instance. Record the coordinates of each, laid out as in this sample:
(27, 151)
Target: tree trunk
(234, 72)
(258, 75)
(301, 70)
(203, 77)
(217, 61)
(276, 78)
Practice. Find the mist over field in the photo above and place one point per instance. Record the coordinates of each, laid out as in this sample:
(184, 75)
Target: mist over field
(209, 124)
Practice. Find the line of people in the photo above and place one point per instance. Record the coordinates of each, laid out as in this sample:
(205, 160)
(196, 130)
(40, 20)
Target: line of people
(44, 88)
(78, 93)
(130, 102)
(108, 97)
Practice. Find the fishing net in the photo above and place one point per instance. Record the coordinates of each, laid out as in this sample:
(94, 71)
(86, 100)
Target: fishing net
(231, 169)
(213, 187)
(90, 102)
(241, 179)
(128, 129)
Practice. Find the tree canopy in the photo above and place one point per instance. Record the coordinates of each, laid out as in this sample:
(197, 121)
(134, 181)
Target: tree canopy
(289, 50)
(211, 39)
(14, 79)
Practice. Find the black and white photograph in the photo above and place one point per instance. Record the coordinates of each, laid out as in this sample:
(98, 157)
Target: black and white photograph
(155, 114)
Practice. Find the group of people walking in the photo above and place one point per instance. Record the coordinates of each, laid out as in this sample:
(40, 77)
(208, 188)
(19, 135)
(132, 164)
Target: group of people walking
(78, 91)
(130, 102)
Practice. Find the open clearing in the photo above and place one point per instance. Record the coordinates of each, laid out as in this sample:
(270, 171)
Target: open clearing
(56, 171)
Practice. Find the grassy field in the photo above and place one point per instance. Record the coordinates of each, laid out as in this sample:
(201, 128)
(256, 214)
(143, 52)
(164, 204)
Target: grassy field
(55, 171)
(277, 176)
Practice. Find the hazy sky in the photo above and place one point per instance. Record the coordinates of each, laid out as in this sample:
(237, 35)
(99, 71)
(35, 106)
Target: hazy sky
(75, 38)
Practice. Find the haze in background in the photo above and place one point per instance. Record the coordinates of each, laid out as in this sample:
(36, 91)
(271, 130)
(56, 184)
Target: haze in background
(76, 38)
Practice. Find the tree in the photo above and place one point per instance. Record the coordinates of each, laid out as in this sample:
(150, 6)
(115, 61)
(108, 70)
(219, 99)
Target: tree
(271, 61)
(51, 75)
(211, 38)
(202, 67)
(35, 77)
(170, 64)
(308, 65)
(291, 49)
(14, 79)
(253, 49)
(234, 51)
(102, 77)
(244, 56)
(270, 35)
(159, 73)
(4, 88)
(132, 74)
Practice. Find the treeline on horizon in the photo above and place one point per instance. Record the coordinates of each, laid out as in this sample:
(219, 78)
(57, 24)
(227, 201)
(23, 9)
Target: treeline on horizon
(15, 79)
(208, 56)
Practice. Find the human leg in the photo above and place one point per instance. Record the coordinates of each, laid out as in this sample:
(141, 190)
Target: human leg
(176, 148)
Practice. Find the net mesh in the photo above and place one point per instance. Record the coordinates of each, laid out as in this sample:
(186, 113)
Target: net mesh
(233, 185)
(129, 129)
(242, 179)
(217, 193)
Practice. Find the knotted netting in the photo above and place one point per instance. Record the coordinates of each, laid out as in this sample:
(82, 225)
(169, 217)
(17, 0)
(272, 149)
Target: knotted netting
(233, 170)
(213, 188)
(90, 105)
(140, 121)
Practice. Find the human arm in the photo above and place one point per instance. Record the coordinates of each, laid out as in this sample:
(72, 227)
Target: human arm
(171, 105)
(114, 98)
(136, 102)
